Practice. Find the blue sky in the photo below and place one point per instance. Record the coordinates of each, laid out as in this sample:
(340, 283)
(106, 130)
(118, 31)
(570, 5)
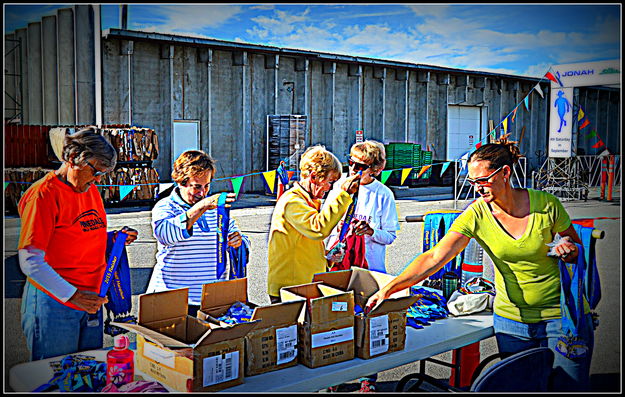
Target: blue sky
(512, 39)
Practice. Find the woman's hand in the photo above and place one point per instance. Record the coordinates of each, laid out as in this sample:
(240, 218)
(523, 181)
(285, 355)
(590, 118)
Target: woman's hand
(88, 301)
(351, 184)
(235, 240)
(375, 299)
(211, 202)
(361, 227)
(130, 232)
(566, 249)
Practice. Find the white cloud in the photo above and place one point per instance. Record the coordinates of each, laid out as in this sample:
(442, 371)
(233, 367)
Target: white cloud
(191, 18)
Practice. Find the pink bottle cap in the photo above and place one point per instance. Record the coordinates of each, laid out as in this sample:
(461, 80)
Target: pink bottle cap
(121, 342)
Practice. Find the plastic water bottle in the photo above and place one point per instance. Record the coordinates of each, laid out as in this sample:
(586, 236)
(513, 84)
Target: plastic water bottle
(120, 362)
(473, 263)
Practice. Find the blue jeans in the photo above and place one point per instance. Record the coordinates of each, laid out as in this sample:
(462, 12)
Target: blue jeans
(568, 374)
(53, 329)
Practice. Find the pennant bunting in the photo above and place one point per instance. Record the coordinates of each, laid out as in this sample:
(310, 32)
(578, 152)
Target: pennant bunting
(404, 174)
(526, 101)
(5, 185)
(124, 190)
(384, 176)
(478, 145)
(444, 167)
(553, 78)
(539, 90)
(505, 125)
(236, 184)
(585, 124)
(514, 113)
(580, 114)
(269, 178)
(598, 144)
(591, 134)
(423, 169)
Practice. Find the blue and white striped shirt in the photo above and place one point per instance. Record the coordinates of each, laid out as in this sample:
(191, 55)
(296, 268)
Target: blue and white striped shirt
(185, 259)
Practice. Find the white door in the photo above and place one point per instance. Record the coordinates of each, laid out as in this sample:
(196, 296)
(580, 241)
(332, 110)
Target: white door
(463, 129)
(186, 137)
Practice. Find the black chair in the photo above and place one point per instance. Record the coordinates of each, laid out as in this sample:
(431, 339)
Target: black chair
(526, 371)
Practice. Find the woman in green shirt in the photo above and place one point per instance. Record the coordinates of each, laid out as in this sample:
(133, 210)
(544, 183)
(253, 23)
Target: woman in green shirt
(513, 226)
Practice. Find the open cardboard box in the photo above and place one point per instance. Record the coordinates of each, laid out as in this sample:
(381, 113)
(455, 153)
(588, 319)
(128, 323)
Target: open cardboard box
(272, 345)
(183, 352)
(383, 330)
(326, 326)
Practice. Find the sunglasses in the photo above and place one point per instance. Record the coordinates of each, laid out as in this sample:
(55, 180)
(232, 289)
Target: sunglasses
(483, 181)
(357, 166)
(95, 170)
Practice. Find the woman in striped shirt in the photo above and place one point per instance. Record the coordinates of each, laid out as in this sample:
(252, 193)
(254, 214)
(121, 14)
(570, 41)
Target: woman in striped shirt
(185, 227)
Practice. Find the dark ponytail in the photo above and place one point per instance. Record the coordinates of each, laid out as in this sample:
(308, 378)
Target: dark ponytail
(499, 153)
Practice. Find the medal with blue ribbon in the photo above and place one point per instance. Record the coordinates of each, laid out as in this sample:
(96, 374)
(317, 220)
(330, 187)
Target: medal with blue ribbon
(113, 262)
(349, 215)
(223, 222)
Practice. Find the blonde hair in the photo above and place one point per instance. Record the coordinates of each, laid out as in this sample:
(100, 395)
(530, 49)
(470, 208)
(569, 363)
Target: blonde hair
(372, 151)
(192, 163)
(320, 161)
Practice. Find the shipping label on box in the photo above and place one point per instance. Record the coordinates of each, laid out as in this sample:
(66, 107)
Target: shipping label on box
(272, 345)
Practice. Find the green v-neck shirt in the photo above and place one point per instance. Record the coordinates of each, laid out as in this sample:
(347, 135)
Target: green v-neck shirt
(526, 279)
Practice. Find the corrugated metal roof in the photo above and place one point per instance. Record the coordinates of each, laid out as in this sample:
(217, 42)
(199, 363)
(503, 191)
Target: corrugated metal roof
(321, 56)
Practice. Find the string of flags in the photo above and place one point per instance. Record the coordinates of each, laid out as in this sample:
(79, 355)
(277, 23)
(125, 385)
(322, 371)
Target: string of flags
(282, 175)
(583, 122)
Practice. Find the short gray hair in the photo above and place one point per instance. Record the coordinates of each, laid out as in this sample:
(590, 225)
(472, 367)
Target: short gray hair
(87, 144)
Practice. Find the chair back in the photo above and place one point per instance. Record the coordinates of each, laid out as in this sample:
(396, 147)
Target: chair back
(526, 371)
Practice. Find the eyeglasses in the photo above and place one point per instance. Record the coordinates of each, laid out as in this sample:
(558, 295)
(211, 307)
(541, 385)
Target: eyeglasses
(358, 166)
(483, 181)
(95, 170)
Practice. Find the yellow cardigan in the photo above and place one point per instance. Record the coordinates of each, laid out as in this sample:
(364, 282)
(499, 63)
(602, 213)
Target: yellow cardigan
(296, 248)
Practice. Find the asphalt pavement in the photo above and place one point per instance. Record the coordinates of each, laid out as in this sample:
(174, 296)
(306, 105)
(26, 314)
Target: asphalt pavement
(253, 213)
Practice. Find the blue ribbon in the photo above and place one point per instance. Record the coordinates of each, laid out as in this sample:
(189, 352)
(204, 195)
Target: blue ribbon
(282, 173)
(572, 305)
(113, 261)
(349, 215)
(435, 226)
(592, 284)
(238, 260)
(117, 287)
(76, 375)
(223, 222)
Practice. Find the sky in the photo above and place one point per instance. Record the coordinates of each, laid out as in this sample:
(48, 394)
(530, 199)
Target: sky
(517, 39)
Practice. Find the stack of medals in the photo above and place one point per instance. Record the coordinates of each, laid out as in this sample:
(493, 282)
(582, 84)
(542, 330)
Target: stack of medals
(76, 373)
(237, 313)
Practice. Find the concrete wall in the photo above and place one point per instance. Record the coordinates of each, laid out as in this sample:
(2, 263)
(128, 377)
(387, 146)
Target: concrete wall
(230, 90)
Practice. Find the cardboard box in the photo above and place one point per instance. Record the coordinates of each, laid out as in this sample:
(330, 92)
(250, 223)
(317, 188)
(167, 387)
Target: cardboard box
(272, 345)
(183, 352)
(326, 325)
(383, 330)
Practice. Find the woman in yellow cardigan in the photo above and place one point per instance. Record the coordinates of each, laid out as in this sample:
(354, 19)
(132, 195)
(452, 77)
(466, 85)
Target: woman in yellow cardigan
(299, 226)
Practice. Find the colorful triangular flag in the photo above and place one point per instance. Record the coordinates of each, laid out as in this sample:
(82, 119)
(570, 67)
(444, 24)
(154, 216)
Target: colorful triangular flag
(585, 124)
(404, 174)
(526, 101)
(553, 78)
(514, 113)
(591, 134)
(444, 167)
(269, 178)
(236, 184)
(384, 175)
(505, 125)
(539, 90)
(598, 144)
(5, 185)
(423, 169)
(124, 190)
(580, 114)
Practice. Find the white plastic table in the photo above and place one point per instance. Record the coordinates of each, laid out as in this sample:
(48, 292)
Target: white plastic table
(438, 337)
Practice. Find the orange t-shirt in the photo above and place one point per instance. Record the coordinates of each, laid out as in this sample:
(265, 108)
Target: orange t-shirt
(69, 227)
